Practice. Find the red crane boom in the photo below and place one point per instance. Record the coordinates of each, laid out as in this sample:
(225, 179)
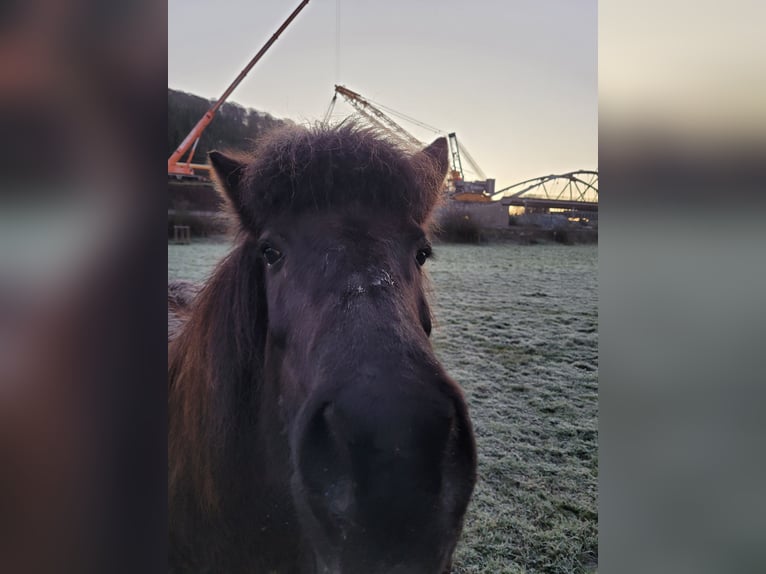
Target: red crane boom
(189, 143)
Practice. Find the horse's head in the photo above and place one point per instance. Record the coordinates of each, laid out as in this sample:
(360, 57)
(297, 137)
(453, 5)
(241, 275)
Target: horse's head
(381, 448)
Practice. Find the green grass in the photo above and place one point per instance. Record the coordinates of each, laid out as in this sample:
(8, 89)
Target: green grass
(517, 327)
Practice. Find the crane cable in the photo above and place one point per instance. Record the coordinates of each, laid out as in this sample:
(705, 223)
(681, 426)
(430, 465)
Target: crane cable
(328, 114)
(471, 161)
(405, 117)
(337, 41)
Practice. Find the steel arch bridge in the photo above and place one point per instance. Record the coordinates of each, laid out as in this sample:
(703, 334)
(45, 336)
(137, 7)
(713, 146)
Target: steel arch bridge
(573, 190)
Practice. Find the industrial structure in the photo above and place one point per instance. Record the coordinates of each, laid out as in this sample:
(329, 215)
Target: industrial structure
(374, 114)
(549, 201)
(573, 194)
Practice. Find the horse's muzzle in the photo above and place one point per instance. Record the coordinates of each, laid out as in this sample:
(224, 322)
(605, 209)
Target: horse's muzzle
(383, 475)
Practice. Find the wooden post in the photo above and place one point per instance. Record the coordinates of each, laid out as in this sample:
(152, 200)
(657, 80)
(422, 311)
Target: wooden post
(181, 234)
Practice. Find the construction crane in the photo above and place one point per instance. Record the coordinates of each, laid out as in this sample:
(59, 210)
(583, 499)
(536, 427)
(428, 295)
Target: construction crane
(483, 187)
(179, 168)
(456, 184)
(375, 115)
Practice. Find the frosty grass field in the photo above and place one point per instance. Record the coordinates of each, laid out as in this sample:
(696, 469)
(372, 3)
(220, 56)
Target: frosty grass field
(517, 327)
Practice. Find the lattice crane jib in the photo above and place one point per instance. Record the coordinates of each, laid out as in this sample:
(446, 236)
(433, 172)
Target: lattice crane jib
(376, 116)
(379, 116)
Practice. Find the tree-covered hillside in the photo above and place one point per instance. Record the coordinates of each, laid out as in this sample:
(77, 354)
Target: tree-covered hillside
(234, 126)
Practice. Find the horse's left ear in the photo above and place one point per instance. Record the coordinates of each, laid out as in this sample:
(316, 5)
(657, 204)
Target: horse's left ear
(228, 172)
(432, 162)
(438, 153)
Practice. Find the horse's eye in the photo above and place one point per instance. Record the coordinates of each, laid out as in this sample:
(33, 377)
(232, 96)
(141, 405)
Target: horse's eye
(271, 255)
(422, 255)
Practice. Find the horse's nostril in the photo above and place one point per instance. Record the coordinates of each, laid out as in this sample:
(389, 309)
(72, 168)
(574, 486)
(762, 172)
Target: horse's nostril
(319, 444)
(328, 413)
(324, 468)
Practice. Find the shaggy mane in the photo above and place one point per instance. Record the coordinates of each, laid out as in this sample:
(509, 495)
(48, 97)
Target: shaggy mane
(214, 370)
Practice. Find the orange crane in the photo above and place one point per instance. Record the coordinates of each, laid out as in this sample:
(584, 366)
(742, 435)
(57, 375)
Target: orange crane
(179, 168)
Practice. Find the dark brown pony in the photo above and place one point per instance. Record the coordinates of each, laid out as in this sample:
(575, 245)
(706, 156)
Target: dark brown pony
(311, 427)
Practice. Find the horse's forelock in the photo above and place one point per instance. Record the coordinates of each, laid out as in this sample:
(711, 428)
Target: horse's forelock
(298, 169)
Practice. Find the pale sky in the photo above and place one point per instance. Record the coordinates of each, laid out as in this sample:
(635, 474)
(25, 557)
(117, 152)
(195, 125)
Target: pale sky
(516, 79)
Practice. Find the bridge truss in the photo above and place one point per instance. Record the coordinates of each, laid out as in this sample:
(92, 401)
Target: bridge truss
(573, 190)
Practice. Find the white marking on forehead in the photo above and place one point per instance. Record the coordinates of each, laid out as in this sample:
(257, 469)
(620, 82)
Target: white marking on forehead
(358, 283)
(381, 278)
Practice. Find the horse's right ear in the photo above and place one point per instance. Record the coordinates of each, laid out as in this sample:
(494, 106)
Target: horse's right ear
(227, 172)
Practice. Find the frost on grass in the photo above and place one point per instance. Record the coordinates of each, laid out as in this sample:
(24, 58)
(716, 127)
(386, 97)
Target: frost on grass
(517, 327)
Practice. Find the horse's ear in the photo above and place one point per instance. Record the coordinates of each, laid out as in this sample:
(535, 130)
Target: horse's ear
(227, 172)
(438, 153)
(433, 163)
